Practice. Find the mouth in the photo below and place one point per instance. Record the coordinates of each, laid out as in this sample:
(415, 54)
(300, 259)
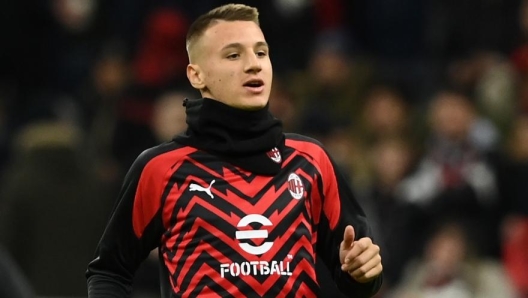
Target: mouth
(255, 86)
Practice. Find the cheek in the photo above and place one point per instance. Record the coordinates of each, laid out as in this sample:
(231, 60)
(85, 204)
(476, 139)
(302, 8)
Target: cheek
(221, 77)
(269, 67)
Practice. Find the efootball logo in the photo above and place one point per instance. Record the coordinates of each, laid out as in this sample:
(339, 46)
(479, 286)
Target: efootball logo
(256, 267)
(254, 234)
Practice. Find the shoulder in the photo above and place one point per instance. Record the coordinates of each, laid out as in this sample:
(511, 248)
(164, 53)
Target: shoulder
(295, 137)
(160, 157)
(156, 152)
(306, 145)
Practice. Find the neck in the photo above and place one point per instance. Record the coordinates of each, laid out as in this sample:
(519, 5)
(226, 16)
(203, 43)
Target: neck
(230, 132)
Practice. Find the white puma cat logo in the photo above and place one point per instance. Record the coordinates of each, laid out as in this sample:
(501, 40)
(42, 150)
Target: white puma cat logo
(196, 187)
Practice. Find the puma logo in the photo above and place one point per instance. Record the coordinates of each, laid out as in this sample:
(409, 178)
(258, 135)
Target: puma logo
(196, 187)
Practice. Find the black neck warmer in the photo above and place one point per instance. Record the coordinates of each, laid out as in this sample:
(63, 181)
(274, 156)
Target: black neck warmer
(243, 138)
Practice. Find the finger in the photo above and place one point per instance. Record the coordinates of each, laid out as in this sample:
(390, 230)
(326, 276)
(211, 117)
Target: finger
(356, 262)
(357, 249)
(365, 268)
(369, 271)
(348, 237)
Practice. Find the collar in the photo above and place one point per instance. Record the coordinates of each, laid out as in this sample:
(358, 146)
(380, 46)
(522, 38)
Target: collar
(247, 139)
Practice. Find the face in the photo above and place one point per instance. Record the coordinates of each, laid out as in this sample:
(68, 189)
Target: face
(452, 116)
(232, 65)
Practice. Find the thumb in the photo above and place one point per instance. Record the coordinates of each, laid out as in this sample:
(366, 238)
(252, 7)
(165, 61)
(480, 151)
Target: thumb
(349, 236)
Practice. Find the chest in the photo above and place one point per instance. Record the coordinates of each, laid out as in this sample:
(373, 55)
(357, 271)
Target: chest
(212, 202)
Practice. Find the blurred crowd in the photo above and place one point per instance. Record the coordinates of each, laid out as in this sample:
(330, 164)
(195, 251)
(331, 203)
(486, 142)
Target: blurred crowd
(423, 104)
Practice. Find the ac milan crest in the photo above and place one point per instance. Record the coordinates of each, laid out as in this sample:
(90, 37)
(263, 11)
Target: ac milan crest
(275, 155)
(295, 186)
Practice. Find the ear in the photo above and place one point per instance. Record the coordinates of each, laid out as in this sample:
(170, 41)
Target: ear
(195, 76)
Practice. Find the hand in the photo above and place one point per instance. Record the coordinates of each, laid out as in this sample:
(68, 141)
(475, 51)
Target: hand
(361, 258)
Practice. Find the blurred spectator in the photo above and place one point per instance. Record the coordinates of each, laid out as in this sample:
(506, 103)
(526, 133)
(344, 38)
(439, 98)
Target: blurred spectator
(349, 152)
(145, 118)
(449, 268)
(496, 91)
(379, 112)
(100, 96)
(490, 79)
(159, 64)
(515, 245)
(72, 40)
(385, 114)
(459, 146)
(169, 116)
(393, 220)
(52, 209)
(52, 52)
(331, 89)
(514, 191)
(514, 173)
(108, 80)
(161, 57)
(455, 179)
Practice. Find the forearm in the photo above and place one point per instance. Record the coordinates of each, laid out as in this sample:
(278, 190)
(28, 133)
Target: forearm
(101, 286)
(351, 288)
(342, 213)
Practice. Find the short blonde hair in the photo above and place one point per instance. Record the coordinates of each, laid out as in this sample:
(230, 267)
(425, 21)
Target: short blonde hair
(229, 12)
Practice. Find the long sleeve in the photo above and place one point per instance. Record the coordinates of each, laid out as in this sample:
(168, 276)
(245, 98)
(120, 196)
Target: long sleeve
(339, 209)
(133, 230)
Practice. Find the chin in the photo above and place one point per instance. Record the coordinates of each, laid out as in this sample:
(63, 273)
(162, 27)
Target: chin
(253, 104)
(249, 107)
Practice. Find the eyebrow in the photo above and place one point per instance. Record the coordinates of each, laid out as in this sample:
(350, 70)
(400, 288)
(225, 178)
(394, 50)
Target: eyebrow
(239, 45)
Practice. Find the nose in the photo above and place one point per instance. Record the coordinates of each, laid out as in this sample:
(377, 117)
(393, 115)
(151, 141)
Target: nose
(252, 64)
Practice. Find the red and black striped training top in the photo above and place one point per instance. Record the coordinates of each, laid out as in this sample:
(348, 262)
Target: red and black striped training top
(225, 232)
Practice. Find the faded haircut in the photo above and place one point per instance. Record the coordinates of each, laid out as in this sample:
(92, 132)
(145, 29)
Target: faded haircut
(228, 12)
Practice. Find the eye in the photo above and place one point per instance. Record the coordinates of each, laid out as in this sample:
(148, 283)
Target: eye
(233, 56)
(262, 53)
